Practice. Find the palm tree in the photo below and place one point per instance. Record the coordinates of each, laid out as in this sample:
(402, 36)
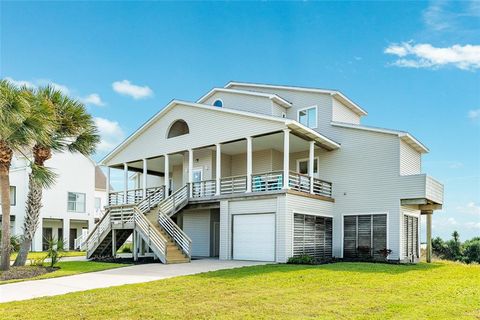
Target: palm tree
(74, 131)
(17, 129)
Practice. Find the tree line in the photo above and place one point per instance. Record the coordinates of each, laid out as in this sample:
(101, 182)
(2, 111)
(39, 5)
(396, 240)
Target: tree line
(35, 123)
(455, 250)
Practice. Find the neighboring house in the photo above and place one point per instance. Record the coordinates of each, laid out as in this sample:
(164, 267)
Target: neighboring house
(68, 208)
(264, 172)
(100, 201)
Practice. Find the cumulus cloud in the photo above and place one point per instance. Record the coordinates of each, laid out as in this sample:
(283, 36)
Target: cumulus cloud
(127, 88)
(470, 208)
(111, 134)
(93, 99)
(424, 55)
(21, 83)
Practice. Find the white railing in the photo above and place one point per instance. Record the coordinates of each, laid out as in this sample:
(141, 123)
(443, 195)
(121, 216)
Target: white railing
(268, 181)
(206, 188)
(95, 236)
(115, 198)
(120, 216)
(79, 243)
(175, 201)
(299, 182)
(177, 234)
(323, 188)
(154, 239)
(235, 184)
(154, 196)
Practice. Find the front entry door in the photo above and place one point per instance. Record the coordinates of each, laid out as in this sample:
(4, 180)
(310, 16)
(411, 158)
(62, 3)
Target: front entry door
(197, 175)
(73, 236)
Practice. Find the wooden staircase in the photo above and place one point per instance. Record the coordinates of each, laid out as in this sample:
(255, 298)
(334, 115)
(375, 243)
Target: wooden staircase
(147, 218)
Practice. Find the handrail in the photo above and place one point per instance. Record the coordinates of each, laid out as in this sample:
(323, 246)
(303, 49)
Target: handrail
(95, 236)
(156, 196)
(268, 181)
(150, 231)
(299, 182)
(234, 184)
(321, 187)
(204, 188)
(176, 200)
(177, 234)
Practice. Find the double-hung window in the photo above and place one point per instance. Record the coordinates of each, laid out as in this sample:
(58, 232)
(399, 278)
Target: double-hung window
(76, 202)
(308, 116)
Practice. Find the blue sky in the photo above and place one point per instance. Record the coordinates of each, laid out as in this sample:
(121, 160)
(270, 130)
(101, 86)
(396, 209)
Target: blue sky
(413, 66)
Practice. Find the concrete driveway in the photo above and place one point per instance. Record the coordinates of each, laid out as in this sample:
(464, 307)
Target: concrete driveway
(114, 277)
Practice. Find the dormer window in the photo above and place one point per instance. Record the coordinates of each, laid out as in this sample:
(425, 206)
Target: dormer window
(178, 128)
(308, 116)
(218, 103)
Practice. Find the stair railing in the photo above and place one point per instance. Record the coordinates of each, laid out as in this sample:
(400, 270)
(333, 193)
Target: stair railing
(154, 239)
(155, 196)
(95, 236)
(177, 234)
(176, 201)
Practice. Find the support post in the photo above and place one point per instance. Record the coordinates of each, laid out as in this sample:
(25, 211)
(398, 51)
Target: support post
(108, 186)
(190, 171)
(249, 164)
(286, 158)
(125, 182)
(66, 235)
(429, 237)
(167, 176)
(114, 243)
(144, 182)
(311, 163)
(135, 245)
(218, 168)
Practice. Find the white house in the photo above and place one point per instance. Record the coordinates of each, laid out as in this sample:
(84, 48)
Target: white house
(69, 207)
(265, 172)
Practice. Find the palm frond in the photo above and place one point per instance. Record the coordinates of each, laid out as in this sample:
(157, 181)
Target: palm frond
(43, 176)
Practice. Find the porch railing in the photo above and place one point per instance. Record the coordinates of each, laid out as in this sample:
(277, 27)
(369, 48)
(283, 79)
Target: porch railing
(204, 189)
(322, 188)
(268, 181)
(235, 184)
(116, 198)
(299, 182)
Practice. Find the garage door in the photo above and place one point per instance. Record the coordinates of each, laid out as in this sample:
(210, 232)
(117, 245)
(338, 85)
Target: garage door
(197, 226)
(254, 237)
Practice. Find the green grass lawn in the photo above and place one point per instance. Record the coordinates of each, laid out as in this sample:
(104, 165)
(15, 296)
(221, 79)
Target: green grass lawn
(39, 254)
(67, 268)
(343, 290)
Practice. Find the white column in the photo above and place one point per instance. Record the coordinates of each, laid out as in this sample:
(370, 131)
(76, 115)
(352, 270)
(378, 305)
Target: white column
(145, 173)
(108, 187)
(311, 159)
(66, 235)
(190, 170)
(125, 182)
(167, 175)
(135, 245)
(114, 243)
(218, 168)
(286, 157)
(249, 164)
(429, 237)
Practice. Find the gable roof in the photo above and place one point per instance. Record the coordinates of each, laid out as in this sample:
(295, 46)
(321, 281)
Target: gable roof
(335, 93)
(321, 139)
(279, 100)
(403, 135)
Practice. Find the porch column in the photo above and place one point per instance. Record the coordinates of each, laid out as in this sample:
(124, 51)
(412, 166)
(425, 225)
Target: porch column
(66, 234)
(190, 170)
(286, 157)
(108, 186)
(167, 176)
(114, 243)
(249, 164)
(311, 159)
(125, 182)
(218, 168)
(429, 236)
(135, 245)
(144, 183)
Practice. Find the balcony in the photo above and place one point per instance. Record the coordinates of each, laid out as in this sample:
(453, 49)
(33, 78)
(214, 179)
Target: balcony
(421, 189)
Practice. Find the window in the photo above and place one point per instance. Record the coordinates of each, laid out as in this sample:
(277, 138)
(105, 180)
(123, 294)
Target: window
(178, 128)
(13, 195)
(76, 202)
(218, 103)
(308, 117)
(302, 166)
(410, 237)
(98, 203)
(312, 235)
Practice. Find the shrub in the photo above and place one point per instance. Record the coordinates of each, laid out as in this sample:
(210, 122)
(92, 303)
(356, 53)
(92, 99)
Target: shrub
(126, 248)
(54, 251)
(303, 259)
(38, 262)
(471, 250)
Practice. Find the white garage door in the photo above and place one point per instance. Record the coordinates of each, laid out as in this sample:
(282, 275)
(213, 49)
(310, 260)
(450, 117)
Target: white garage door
(254, 237)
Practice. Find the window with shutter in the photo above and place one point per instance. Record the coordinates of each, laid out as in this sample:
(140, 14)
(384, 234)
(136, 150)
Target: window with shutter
(410, 236)
(364, 236)
(312, 235)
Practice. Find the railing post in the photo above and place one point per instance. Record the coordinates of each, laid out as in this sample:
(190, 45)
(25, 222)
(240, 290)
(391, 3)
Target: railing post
(249, 164)
(286, 157)
(218, 169)
(125, 182)
(311, 164)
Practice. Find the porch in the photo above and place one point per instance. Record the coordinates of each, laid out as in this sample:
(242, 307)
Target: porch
(274, 162)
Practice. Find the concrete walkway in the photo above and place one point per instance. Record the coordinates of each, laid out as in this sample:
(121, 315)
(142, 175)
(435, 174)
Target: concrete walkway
(114, 277)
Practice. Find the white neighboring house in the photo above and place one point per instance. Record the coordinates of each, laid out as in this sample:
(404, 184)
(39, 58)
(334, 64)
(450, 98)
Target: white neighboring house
(69, 207)
(265, 172)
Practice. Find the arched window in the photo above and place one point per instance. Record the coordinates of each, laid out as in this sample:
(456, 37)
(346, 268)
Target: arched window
(178, 128)
(218, 103)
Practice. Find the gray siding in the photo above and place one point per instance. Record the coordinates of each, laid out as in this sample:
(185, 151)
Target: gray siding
(341, 113)
(242, 102)
(410, 160)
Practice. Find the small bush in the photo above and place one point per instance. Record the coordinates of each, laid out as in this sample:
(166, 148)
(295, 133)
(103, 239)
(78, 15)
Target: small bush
(471, 251)
(303, 259)
(54, 251)
(38, 262)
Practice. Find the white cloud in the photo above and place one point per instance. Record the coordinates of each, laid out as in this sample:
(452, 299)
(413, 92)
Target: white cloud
(454, 16)
(125, 87)
(470, 208)
(474, 114)
(93, 99)
(472, 225)
(21, 83)
(424, 55)
(111, 134)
